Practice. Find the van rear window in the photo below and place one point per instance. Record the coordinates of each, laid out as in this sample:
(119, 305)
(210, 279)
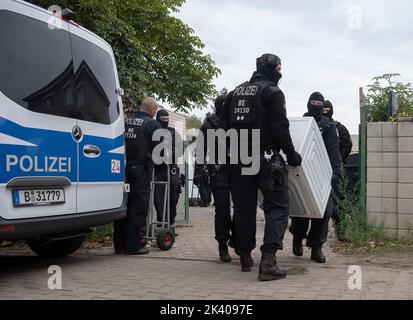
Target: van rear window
(94, 82)
(38, 71)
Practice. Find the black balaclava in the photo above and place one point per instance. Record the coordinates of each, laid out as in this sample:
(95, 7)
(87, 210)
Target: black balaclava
(162, 113)
(266, 65)
(329, 114)
(219, 103)
(313, 110)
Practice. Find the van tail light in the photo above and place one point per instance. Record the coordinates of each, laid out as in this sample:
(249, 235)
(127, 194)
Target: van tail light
(73, 23)
(8, 228)
(69, 16)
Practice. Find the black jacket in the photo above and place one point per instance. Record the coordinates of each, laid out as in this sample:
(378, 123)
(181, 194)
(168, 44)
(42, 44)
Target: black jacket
(345, 141)
(212, 122)
(274, 102)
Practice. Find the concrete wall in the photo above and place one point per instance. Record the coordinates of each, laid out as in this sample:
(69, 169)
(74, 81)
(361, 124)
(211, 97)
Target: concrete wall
(390, 176)
(355, 140)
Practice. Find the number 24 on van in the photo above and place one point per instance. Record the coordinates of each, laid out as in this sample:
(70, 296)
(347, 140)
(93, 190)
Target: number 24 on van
(115, 166)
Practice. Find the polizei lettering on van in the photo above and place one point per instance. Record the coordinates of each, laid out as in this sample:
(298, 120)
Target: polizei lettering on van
(39, 164)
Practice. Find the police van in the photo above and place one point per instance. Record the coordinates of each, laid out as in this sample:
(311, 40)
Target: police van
(62, 152)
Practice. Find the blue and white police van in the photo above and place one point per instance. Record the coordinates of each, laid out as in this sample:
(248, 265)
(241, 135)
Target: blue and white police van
(62, 152)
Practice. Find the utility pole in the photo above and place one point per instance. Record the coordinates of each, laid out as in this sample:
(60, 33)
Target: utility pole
(363, 150)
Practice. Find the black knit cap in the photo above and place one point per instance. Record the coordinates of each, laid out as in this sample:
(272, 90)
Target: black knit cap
(268, 59)
(316, 96)
(314, 110)
(162, 113)
(328, 104)
(266, 65)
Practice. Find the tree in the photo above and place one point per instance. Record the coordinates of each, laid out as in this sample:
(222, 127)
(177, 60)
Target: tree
(193, 122)
(378, 97)
(157, 54)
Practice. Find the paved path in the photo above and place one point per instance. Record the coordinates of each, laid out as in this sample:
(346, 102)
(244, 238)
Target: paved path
(191, 270)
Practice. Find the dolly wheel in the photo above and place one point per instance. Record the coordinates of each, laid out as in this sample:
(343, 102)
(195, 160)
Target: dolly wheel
(165, 240)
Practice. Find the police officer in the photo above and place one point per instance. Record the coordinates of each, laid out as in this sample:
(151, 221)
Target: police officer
(139, 127)
(345, 146)
(260, 104)
(345, 143)
(220, 183)
(201, 180)
(161, 172)
(317, 234)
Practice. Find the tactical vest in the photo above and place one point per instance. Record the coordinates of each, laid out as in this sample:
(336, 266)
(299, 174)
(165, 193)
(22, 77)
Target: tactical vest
(325, 123)
(247, 112)
(138, 147)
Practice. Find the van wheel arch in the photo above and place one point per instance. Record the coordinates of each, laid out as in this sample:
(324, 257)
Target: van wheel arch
(56, 248)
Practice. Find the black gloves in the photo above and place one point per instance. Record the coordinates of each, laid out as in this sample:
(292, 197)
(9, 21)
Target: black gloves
(294, 159)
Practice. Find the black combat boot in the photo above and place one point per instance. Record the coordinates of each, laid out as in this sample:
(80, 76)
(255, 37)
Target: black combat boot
(223, 252)
(268, 268)
(317, 255)
(246, 261)
(297, 247)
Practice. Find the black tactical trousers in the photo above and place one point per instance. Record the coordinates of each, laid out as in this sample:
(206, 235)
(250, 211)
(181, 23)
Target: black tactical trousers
(204, 192)
(159, 196)
(127, 232)
(274, 187)
(317, 235)
(221, 190)
(336, 195)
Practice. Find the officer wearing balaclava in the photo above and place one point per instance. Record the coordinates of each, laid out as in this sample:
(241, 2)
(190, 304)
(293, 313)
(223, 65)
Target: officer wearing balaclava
(219, 182)
(343, 134)
(345, 145)
(317, 235)
(259, 104)
(161, 173)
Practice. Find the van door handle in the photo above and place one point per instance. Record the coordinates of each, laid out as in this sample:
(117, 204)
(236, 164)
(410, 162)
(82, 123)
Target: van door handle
(91, 151)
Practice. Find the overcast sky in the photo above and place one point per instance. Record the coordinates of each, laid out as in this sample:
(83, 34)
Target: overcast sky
(329, 46)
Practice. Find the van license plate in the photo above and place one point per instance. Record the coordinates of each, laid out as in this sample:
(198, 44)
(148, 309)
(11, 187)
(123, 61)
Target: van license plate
(38, 197)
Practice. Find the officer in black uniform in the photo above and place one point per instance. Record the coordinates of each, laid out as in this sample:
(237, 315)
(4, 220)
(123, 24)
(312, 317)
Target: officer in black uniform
(319, 227)
(139, 128)
(260, 104)
(345, 143)
(220, 183)
(161, 171)
(345, 146)
(201, 180)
